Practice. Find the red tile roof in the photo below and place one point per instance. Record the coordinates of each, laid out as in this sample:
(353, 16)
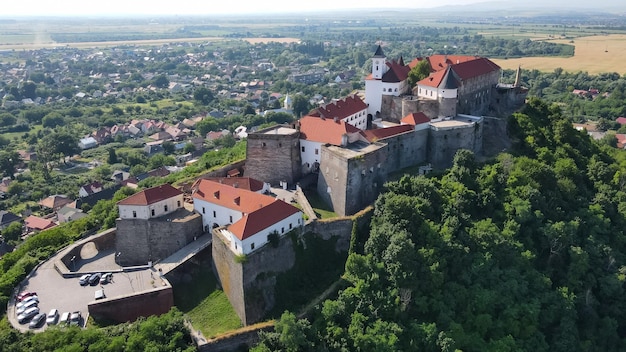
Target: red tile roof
(415, 119)
(247, 183)
(322, 130)
(261, 219)
(151, 195)
(621, 120)
(37, 223)
(433, 80)
(342, 108)
(382, 133)
(397, 72)
(259, 211)
(474, 68)
(55, 202)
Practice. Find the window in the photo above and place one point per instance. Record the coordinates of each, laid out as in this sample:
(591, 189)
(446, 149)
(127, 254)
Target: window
(178, 204)
(280, 145)
(231, 219)
(263, 144)
(282, 230)
(203, 210)
(165, 208)
(317, 151)
(152, 212)
(134, 214)
(303, 149)
(214, 215)
(290, 226)
(251, 246)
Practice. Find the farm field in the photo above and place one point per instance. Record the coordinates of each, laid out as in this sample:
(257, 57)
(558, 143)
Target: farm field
(594, 54)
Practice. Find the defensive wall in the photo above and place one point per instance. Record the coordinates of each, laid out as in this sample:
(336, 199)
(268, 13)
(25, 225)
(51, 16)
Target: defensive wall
(102, 241)
(121, 309)
(249, 282)
(140, 241)
(448, 136)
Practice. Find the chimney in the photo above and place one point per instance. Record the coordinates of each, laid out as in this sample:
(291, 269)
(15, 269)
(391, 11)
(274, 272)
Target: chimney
(237, 200)
(216, 194)
(336, 119)
(236, 185)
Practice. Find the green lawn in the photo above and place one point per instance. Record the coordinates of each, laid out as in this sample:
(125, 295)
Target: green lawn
(206, 306)
(321, 209)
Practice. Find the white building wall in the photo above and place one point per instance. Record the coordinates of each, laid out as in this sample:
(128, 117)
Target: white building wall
(307, 152)
(373, 95)
(447, 93)
(154, 210)
(259, 239)
(427, 92)
(215, 214)
(358, 120)
(392, 88)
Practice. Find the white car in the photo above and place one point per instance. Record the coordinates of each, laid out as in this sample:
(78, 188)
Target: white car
(26, 300)
(25, 307)
(27, 315)
(52, 317)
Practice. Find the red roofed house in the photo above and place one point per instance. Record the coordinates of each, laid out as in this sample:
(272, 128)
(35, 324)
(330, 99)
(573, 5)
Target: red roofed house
(621, 120)
(249, 217)
(317, 131)
(417, 119)
(151, 203)
(351, 109)
(34, 223)
(55, 202)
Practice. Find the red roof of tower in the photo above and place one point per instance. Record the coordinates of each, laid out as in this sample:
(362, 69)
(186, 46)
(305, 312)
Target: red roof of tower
(415, 119)
(382, 133)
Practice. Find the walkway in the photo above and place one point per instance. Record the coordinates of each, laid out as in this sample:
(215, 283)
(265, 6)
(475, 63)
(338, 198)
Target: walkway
(182, 255)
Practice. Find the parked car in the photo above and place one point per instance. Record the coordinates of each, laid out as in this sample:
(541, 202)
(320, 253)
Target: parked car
(75, 318)
(84, 280)
(94, 279)
(65, 318)
(26, 306)
(26, 300)
(27, 315)
(52, 317)
(37, 320)
(25, 294)
(106, 278)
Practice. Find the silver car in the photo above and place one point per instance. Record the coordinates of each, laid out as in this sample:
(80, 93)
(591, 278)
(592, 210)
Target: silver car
(25, 307)
(27, 315)
(52, 317)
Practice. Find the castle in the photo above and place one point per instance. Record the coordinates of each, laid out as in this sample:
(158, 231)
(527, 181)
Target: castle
(354, 144)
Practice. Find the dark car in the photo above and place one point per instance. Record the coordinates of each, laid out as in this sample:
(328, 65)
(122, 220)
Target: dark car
(75, 318)
(37, 321)
(94, 279)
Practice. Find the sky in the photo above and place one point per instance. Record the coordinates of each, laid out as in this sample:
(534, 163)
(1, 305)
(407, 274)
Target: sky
(194, 7)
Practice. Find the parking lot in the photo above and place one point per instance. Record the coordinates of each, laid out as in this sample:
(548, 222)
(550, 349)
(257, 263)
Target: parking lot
(67, 295)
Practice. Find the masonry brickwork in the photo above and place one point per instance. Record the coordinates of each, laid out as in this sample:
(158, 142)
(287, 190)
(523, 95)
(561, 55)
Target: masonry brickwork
(140, 241)
(128, 308)
(273, 157)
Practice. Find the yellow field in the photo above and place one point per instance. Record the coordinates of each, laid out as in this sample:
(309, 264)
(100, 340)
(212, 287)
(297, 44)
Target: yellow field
(596, 54)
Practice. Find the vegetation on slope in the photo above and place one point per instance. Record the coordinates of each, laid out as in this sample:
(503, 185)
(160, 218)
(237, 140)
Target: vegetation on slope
(523, 253)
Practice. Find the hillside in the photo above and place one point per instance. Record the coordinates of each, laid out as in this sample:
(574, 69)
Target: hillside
(524, 253)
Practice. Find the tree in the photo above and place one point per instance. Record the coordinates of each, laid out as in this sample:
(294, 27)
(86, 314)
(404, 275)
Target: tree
(112, 159)
(7, 119)
(12, 232)
(161, 81)
(300, 105)
(203, 95)
(419, 72)
(168, 147)
(8, 161)
(52, 120)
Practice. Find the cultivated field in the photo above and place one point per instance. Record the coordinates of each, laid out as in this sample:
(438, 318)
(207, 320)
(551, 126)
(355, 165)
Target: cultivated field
(595, 54)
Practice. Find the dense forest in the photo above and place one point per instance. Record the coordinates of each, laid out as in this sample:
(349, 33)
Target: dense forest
(522, 253)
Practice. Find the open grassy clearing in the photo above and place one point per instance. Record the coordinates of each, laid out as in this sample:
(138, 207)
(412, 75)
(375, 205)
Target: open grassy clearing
(594, 54)
(206, 306)
(321, 209)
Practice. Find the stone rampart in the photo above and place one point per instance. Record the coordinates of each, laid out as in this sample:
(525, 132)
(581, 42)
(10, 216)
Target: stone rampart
(128, 308)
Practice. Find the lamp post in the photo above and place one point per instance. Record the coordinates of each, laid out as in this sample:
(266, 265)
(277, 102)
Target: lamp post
(117, 255)
(73, 260)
